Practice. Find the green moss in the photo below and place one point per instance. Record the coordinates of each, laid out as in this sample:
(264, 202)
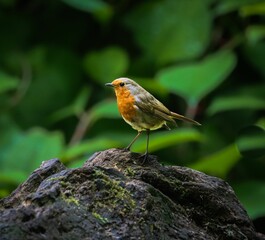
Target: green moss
(70, 199)
(151, 228)
(116, 195)
(69, 196)
(100, 218)
(130, 171)
(64, 184)
(55, 178)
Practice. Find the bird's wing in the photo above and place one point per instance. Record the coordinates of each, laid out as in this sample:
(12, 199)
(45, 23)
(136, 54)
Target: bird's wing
(150, 105)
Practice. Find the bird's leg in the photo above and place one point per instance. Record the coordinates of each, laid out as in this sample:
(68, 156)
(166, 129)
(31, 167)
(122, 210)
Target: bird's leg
(145, 156)
(129, 146)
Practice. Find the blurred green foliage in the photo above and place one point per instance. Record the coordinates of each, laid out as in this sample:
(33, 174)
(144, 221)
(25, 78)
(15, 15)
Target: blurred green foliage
(204, 59)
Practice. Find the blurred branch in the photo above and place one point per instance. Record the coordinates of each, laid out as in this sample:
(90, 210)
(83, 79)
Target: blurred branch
(234, 42)
(103, 109)
(192, 108)
(81, 128)
(24, 84)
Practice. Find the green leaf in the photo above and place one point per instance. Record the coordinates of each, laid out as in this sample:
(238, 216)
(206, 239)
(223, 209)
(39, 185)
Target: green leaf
(75, 109)
(3, 192)
(26, 151)
(76, 163)
(219, 163)
(57, 77)
(106, 65)
(229, 103)
(23, 152)
(251, 142)
(99, 8)
(104, 109)
(251, 194)
(255, 54)
(194, 81)
(161, 140)
(253, 9)
(261, 122)
(80, 102)
(13, 176)
(91, 5)
(255, 33)
(226, 6)
(174, 30)
(88, 147)
(7, 82)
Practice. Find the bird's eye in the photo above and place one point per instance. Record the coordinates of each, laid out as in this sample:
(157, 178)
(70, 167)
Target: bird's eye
(122, 84)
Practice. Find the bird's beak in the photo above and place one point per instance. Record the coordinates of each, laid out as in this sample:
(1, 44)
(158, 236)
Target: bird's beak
(109, 85)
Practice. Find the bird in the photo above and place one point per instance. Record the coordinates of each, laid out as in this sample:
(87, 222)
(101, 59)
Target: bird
(142, 110)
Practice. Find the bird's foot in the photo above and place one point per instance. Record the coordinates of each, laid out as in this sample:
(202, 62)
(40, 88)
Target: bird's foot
(144, 157)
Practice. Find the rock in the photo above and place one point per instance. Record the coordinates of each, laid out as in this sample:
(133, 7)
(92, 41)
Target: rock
(113, 196)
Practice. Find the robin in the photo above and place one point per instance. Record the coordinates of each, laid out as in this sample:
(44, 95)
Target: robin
(142, 110)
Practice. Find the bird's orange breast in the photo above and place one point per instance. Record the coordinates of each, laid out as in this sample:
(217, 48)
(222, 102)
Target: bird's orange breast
(125, 101)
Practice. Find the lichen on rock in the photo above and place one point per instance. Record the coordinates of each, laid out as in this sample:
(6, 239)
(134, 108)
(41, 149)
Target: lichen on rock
(113, 196)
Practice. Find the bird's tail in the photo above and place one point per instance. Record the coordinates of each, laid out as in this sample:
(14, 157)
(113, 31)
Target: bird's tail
(180, 117)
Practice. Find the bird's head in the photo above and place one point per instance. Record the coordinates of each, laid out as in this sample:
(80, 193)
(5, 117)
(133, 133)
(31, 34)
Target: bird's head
(122, 85)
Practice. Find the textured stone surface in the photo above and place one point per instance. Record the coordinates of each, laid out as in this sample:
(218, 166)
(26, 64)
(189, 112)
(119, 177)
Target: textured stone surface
(114, 197)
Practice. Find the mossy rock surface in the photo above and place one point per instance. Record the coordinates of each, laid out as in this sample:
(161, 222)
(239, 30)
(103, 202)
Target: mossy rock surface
(113, 196)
